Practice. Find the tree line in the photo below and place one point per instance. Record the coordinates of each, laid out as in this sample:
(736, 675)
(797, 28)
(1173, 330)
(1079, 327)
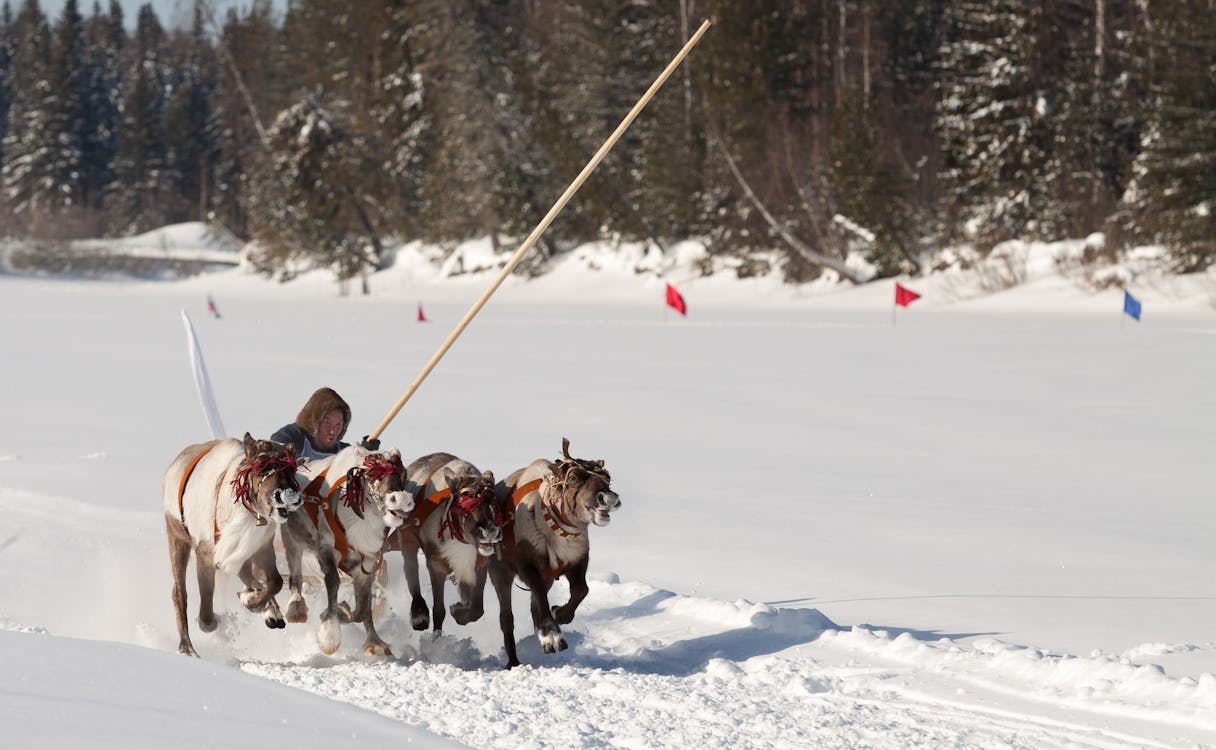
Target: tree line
(816, 127)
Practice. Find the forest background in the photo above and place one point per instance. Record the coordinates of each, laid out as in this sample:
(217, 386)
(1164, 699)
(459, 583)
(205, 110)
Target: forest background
(328, 130)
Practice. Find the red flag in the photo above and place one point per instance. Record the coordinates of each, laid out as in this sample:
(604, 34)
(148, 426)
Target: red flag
(421, 315)
(904, 296)
(675, 300)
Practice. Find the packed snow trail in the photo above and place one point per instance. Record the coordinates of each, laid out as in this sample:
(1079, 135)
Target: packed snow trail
(648, 668)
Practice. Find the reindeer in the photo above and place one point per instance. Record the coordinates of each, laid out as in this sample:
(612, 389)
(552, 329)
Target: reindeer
(550, 506)
(457, 524)
(336, 527)
(220, 498)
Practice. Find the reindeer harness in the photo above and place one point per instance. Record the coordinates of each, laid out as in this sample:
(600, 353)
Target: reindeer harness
(314, 506)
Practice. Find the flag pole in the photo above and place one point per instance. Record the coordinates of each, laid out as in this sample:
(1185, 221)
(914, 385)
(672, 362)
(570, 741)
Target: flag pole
(540, 229)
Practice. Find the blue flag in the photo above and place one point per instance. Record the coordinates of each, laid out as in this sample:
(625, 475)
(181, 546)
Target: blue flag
(1131, 305)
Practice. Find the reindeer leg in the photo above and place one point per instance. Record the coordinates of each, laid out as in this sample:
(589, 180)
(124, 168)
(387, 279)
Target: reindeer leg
(373, 645)
(204, 569)
(251, 597)
(438, 577)
(576, 576)
(265, 564)
(329, 634)
(471, 606)
(179, 557)
(262, 582)
(293, 548)
(547, 630)
(420, 616)
(502, 577)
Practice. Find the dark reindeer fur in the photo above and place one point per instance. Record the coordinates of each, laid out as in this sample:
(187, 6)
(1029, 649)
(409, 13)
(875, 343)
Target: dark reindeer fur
(209, 504)
(547, 538)
(457, 525)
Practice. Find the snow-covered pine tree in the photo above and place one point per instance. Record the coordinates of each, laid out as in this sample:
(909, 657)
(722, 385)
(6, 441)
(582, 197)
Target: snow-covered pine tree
(994, 121)
(399, 124)
(566, 77)
(105, 38)
(253, 54)
(471, 167)
(6, 59)
(141, 196)
(29, 142)
(190, 124)
(661, 163)
(68, 117)
(1174, 195)
(318, 222)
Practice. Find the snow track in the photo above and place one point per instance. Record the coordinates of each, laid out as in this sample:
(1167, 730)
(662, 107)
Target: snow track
(649, 668)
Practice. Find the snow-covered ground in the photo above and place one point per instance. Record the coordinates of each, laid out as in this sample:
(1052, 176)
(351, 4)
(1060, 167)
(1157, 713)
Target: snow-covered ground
(987, 525)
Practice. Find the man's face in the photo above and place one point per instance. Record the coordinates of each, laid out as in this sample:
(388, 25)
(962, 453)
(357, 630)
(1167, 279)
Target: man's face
(329, 430)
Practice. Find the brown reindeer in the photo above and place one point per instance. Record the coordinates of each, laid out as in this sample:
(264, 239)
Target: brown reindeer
(551, 504)
(457, 524)
(220, 498)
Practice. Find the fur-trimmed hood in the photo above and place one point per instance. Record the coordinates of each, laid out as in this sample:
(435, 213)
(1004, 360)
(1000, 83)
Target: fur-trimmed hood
(320, 404)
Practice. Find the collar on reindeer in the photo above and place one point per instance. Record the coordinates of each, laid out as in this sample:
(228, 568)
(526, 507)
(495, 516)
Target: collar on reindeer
(552, 510)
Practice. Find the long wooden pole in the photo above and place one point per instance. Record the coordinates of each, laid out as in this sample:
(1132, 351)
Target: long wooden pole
(539, 230)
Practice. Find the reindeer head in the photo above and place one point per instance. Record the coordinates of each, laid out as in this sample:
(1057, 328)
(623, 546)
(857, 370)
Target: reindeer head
(265, 482)
(380, 478)
(474, 515)
(584, 487)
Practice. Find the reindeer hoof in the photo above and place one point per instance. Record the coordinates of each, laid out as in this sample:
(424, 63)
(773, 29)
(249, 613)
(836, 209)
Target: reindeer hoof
(420, 618)
(329, 635)
(187, 650)
(561, 617)
(552, 642)
(297, 611)
(374, 648)
(275, 623)
(464, 613)
(207, 625)
(250, 598)
(344, 613)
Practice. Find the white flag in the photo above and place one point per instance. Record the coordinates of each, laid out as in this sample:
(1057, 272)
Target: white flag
(202, 383)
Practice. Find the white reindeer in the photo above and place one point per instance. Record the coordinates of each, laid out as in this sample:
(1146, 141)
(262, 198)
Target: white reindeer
(220, 498)
(346, 534)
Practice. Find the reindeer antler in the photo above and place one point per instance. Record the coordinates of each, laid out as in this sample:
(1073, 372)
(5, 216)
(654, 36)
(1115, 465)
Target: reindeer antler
(566, 448)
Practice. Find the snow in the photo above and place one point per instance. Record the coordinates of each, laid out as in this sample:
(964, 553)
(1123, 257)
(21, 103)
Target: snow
(983, 522)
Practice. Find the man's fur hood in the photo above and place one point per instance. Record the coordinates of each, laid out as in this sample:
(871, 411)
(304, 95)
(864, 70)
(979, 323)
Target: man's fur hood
(320, 404)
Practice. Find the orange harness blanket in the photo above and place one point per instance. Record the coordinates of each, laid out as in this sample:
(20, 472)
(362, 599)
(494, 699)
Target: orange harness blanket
(181, 490)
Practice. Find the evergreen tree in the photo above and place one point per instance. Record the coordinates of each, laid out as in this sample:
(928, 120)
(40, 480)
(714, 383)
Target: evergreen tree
(254, 84)
(142, 197)
(6, 58)
(29, 144)
(318, 163)
(1175, 184)
(993, 120)
(68, 104)
(189, 124)
(399, 125)
(478, 126)
(105, 39)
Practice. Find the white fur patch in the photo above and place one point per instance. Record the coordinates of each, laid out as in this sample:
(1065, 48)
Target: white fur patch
(329, 636)
(461, 559)
(553, 641)
(240, 537)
